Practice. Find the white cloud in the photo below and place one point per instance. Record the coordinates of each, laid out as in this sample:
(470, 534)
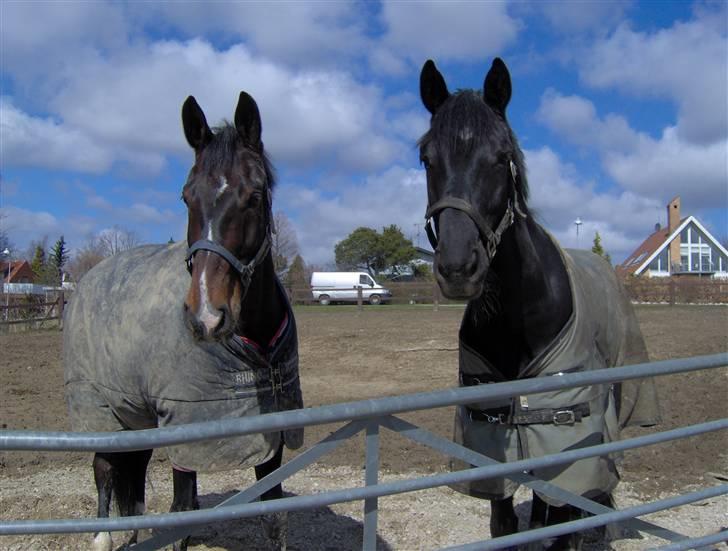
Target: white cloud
(396, 196)
(686, 63)
(670, 166)
(559, 196)
(292, 33)
(127, 108)
(442, 31)
(639, 163)
(34, 141)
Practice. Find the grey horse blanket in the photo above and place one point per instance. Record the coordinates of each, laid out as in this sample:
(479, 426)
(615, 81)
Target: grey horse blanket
(602, 332)
(131, 363)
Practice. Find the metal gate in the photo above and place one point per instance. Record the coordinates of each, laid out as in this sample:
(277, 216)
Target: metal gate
(370, 416)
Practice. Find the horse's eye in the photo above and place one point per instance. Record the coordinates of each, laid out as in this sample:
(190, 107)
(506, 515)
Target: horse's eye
(425, 160)
(255, 199)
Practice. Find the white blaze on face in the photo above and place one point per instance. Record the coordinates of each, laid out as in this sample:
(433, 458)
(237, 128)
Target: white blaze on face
(207, 314)
(222, 188)
(466, 134)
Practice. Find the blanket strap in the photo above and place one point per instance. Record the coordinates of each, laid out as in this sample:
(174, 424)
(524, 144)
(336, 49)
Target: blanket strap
(557, 416)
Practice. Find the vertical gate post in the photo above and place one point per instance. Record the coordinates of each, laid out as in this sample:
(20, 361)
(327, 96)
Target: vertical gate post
(360, 298)
(436, 297)
(371, 477)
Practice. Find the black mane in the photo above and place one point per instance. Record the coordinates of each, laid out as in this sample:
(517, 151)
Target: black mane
(466, 108)
(220, 152)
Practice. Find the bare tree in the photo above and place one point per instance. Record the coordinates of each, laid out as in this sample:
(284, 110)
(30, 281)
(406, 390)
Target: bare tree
(116, 240)
(85, 258)
(285, 241)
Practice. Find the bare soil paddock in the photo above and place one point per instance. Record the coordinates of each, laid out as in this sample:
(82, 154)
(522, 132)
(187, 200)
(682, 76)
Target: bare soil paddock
(346, 355)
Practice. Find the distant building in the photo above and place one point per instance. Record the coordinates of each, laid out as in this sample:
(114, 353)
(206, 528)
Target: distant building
(424, 256)
(683, 248)
(16, 271)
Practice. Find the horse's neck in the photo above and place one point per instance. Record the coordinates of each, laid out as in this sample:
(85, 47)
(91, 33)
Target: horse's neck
(262, 310)
(533, 299)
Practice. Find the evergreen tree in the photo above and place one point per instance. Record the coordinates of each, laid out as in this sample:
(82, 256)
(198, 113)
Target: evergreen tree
(598, 249)
(38, 263)
(296, 276)
(59, 257)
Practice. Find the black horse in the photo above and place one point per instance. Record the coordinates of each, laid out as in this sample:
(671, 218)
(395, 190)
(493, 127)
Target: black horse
(534, 309)
(167, 335)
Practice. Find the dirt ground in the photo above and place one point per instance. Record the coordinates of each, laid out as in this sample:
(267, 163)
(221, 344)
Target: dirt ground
(347, 355)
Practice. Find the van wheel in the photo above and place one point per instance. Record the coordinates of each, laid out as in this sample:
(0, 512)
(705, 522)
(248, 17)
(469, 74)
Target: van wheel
(375, 299)
(324, 300)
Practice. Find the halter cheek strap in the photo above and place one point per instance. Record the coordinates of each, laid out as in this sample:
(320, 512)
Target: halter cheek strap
(491, 238)
(244, 270)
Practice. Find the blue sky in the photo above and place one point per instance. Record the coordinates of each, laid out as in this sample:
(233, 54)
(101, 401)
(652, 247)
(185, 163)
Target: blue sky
(619, 106)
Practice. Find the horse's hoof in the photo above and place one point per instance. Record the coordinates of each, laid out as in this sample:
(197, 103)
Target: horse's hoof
(102, 542)
(275, 526)
(181, 545)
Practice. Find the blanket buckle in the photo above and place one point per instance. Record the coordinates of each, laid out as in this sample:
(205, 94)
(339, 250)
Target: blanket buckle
(276, 379)
(564, 417)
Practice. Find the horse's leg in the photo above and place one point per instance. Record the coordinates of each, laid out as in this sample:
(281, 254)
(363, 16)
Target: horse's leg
(276, 524)
(503, 519)
(185, 498)
(539, 510)
(133, 474)
(104, 477)
(565, 542)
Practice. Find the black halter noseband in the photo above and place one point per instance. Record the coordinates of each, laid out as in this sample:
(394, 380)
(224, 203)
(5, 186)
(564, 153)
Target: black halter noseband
(491, 238)
(244, 270)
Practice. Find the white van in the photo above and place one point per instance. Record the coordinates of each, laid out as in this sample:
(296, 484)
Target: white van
(328, 287)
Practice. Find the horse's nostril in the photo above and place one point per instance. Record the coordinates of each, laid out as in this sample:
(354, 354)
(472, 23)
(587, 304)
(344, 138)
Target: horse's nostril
(472, 265)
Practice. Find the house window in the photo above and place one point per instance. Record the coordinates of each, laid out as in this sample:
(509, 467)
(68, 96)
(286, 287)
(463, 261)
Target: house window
(705, 264)
(684, 236)
(694, 262)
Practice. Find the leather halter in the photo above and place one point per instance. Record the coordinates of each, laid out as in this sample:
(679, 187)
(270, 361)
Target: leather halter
(244, 270)
(491, 238)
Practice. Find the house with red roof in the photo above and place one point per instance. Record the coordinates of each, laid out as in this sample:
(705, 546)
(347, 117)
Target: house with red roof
(683, 248)
(16, 271)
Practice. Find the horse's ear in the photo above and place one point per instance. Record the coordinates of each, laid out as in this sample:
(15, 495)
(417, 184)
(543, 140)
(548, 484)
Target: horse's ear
(247, 120)
(433, 89)
(197, 132)
(497, 86)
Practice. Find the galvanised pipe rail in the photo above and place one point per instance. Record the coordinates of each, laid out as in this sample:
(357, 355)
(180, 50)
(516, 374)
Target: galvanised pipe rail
(192, 518)
(194, 432)
(596, 521)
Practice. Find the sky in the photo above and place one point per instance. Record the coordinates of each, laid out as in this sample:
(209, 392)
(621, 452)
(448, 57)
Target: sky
(618, 106)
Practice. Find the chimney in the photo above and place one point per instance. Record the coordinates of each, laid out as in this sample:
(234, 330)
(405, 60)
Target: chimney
(673, 221)
(673, 214)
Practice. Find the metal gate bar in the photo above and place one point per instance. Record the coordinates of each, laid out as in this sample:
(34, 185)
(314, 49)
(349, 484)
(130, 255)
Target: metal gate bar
(298, 463)
(370, 480)
(719, 537)
(452, 449)
(335, 413)
(593, 522)
(297, 503)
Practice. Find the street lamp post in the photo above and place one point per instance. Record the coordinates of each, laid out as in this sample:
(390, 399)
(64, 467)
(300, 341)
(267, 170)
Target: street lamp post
(577, 223)
(6, 254)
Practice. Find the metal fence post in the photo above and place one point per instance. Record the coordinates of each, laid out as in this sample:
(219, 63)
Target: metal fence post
(370, 479)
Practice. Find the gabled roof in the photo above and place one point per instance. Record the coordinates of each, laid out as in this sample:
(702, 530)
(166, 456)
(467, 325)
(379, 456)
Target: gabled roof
(654, 243)
(17, 268)
(640, 259)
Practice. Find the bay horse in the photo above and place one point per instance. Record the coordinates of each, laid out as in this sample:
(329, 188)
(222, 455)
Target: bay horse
(534, 309)
(202, 330)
